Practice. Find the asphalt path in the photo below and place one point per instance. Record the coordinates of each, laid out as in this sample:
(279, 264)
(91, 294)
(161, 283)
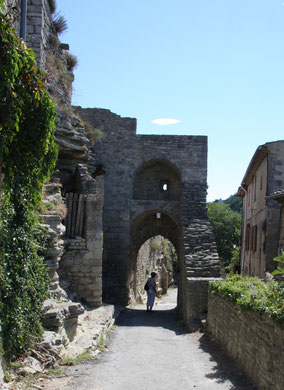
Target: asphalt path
(151, 351)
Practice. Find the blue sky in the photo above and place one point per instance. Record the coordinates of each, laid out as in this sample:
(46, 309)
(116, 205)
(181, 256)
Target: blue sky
(216, 66)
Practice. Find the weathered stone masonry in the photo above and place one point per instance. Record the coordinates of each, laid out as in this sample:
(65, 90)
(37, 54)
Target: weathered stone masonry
(254, 341)
(146, 175)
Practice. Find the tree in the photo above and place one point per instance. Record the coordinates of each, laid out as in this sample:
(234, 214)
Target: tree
(235, 202)
(226, 226)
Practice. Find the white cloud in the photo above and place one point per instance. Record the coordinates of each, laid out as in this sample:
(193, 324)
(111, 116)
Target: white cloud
(165, 121)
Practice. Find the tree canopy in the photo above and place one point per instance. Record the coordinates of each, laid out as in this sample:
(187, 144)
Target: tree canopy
(226, 225)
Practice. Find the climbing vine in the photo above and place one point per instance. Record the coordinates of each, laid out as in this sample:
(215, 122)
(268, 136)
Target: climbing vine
(27, 157)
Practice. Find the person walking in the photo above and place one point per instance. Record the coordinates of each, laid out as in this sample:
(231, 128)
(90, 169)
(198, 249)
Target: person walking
(151, 292)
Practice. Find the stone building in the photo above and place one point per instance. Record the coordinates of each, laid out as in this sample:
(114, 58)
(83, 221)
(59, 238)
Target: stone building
(261, 238)
(154, 185)
(278, 196)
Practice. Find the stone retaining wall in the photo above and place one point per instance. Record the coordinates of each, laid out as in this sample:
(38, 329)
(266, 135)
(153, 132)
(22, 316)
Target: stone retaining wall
(196, 298)
(256, 342)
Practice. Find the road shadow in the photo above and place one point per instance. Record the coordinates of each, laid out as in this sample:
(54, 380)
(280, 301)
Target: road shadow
(225, 367)
(167, 319)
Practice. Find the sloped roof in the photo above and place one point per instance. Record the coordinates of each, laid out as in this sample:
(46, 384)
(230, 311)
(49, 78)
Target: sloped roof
(259, 155)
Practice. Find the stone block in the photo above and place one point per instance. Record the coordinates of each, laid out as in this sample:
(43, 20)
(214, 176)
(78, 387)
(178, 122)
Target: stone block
(36, 2)
(34, 10)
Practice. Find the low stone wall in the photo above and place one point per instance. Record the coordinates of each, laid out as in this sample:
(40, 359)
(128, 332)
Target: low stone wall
(196, 302)
(256, 342)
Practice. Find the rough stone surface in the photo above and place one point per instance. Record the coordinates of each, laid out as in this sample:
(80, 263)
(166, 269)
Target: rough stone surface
(39, 23)
(255, 341)
(62, 318)
(92, 326)
(197, 298)
(33, 364)
(54, 252)
(145, 175)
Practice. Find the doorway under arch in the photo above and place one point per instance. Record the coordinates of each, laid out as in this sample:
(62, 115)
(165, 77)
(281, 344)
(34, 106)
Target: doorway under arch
(151, 224)
(157, 255)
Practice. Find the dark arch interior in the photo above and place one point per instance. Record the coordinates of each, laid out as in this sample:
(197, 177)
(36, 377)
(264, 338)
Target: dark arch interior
(149, 224)
(157, 180)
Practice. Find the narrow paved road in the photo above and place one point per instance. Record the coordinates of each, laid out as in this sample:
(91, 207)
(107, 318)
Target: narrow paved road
(150, 351)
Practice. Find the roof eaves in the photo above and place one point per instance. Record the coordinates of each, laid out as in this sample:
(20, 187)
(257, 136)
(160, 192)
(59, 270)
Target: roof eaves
(259, 155)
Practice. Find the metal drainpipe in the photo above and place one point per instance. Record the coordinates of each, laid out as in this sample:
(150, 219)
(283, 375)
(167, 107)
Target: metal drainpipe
(23, 29)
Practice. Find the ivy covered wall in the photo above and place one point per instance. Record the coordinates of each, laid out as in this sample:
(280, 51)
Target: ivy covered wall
(27, 157)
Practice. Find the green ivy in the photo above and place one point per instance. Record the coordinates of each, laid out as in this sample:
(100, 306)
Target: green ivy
(27, 157)
(251, 293)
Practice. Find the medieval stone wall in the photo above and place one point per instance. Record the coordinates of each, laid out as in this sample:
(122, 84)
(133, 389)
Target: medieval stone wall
(254, 341)
(81, 263)
(39, 27)
(275, 182)
(137, 168)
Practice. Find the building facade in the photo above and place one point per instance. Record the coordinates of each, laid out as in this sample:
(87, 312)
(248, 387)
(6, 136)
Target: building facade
(261, 230)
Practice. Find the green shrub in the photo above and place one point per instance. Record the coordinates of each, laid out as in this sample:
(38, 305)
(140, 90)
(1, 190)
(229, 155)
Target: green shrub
(94, 135)
(252, 294)
(280, 269)
(71, 61)
(60, 24)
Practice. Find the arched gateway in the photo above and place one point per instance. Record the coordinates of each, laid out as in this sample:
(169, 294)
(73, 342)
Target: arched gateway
(154, 185)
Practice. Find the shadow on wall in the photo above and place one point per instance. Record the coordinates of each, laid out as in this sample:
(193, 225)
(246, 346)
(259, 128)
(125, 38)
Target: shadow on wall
(225, 366)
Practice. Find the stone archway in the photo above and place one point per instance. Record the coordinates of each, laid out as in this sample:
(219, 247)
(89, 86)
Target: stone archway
(150, 224)
(145, 174)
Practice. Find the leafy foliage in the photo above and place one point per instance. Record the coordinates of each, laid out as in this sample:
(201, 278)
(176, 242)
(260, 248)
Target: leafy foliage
(27, 157)
(280, 269)
(226, 226)
(252, 294)
(71, 61)
(235, 202)
(60, 24)
(93, 134)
